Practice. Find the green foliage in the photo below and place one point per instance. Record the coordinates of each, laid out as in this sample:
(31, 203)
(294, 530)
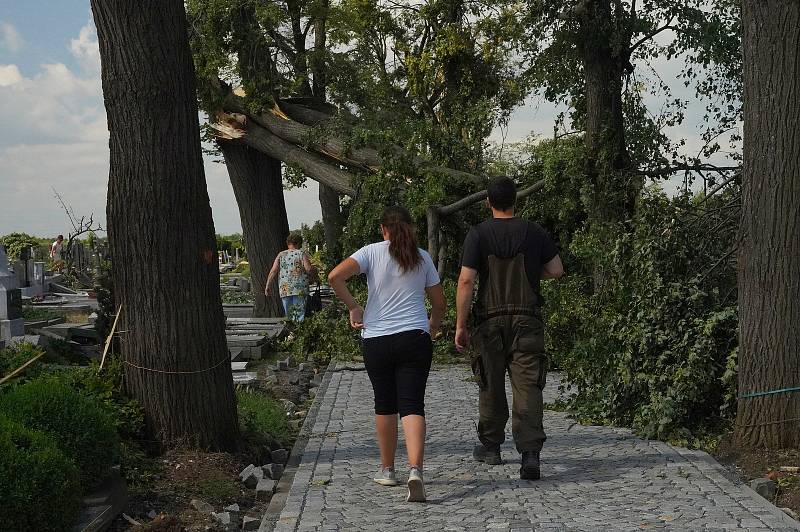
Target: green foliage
(235, 297)
(15, 356)
(39, 488)
(79, 423)
(14, 242)
(656, 350)
(104, 288)
(36, 314)
(326, 335)
(313, 236)
(444, 350)
(231, 243)
(262, 419)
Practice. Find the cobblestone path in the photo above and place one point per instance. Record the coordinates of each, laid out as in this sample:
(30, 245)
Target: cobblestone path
(593, 478)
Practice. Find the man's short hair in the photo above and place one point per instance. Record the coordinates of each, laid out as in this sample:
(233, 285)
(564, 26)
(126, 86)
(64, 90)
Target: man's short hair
(60, 237)
(502, 193)
(295, 239)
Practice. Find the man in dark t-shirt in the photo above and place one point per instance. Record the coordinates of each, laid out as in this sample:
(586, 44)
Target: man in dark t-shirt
(509, 256)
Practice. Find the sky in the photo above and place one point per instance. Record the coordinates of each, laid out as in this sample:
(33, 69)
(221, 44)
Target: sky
(53, 133)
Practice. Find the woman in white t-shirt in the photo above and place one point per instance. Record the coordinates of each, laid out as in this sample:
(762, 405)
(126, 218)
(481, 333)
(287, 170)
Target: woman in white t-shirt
(397, 334)
(55, 253)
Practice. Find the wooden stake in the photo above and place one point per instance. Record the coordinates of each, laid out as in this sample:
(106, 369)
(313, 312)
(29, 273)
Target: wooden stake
(22, 367)
(110, 337)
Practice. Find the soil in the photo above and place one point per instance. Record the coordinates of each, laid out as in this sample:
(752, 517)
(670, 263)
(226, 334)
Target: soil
(762, 463)
(187, 475)
(182, 475)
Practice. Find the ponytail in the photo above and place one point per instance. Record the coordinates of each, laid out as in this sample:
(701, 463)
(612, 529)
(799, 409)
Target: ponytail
(403, 245)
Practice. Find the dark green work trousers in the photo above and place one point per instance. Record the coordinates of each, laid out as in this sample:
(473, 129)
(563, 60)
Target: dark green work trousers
(513, 344)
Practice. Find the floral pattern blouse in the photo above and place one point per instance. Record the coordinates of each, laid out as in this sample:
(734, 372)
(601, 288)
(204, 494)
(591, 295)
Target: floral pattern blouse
(293, 279)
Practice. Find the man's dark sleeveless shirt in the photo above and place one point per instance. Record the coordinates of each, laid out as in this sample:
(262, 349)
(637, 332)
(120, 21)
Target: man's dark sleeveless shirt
(505, 238)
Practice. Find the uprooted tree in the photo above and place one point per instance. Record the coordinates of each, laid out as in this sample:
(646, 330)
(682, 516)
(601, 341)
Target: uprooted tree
(161, 234)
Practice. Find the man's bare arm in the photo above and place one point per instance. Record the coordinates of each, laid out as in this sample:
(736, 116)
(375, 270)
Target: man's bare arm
(466, 285)
(553, 269)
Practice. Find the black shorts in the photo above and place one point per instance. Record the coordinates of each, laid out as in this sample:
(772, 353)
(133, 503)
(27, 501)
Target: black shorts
(398, 366)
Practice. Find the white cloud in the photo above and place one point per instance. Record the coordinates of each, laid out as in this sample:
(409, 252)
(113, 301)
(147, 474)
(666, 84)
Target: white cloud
(10, 38)
(54, 135)
(85, 48)
(9, 75)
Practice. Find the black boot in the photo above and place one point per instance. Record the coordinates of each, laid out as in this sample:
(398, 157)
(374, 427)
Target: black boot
(529, 470)
(489, 455)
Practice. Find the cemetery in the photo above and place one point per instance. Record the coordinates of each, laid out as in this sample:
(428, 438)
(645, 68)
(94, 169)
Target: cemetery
(412, 265)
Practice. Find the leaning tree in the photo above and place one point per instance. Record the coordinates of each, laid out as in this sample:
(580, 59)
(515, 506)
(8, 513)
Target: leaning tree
(769, 234)
(160, 229)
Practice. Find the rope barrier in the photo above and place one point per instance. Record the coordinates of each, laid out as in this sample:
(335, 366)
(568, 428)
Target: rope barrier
(770, 392)
(215, 366)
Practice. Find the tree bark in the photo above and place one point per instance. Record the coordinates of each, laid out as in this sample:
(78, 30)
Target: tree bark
(769, 235)
(332, 220)
(258, 187)
(614, 192)
(160, 228)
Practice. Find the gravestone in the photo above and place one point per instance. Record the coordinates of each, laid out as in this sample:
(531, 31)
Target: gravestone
(11, 322)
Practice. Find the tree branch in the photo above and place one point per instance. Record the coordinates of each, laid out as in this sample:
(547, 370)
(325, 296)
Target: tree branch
(652, 34)
(705, 167)
(463, 203)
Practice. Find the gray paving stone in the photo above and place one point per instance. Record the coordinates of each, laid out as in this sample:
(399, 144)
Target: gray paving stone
(593, 478)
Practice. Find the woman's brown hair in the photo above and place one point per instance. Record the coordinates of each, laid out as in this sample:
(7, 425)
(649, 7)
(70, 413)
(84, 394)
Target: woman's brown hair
(402, 239)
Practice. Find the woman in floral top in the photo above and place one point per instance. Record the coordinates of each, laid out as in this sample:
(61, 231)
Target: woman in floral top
(293, 268)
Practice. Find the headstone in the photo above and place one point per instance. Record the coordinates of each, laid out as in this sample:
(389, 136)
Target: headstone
(21, 271)
(237, 255)
(38, 273)
(11, 322)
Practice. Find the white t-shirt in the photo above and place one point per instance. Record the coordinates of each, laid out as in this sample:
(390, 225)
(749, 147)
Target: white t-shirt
(396, 300)
(55, 250)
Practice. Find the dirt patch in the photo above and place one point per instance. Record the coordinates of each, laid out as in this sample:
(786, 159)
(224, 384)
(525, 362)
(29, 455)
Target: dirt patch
(186, 475)
(762, 463)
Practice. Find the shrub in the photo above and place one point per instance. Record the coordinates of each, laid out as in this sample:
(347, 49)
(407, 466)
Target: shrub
(656, 350)
(262, 419)
(16, 355)
(326, 335)
(14, 242)
(39, 486)
(79, 423)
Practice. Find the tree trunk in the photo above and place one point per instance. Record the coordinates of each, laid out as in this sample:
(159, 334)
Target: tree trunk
(769, 236)
(332, 220)
(257, 185)
(613, 195)
(160, 228)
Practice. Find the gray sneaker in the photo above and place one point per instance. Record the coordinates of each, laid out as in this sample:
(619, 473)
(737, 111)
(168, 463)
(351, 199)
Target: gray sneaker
(416, 487)
(386, 477)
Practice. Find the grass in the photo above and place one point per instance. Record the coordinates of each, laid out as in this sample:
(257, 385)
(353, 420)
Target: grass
(39, 314)
(261, 417)
(218, 487)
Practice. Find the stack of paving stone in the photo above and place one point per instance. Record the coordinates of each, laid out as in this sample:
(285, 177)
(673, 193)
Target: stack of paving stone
(249, 338)
(264, 479)
(229, 519)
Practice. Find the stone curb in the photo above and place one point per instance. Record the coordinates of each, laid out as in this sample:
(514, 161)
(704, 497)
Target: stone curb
(284, 486)
(706, 463)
